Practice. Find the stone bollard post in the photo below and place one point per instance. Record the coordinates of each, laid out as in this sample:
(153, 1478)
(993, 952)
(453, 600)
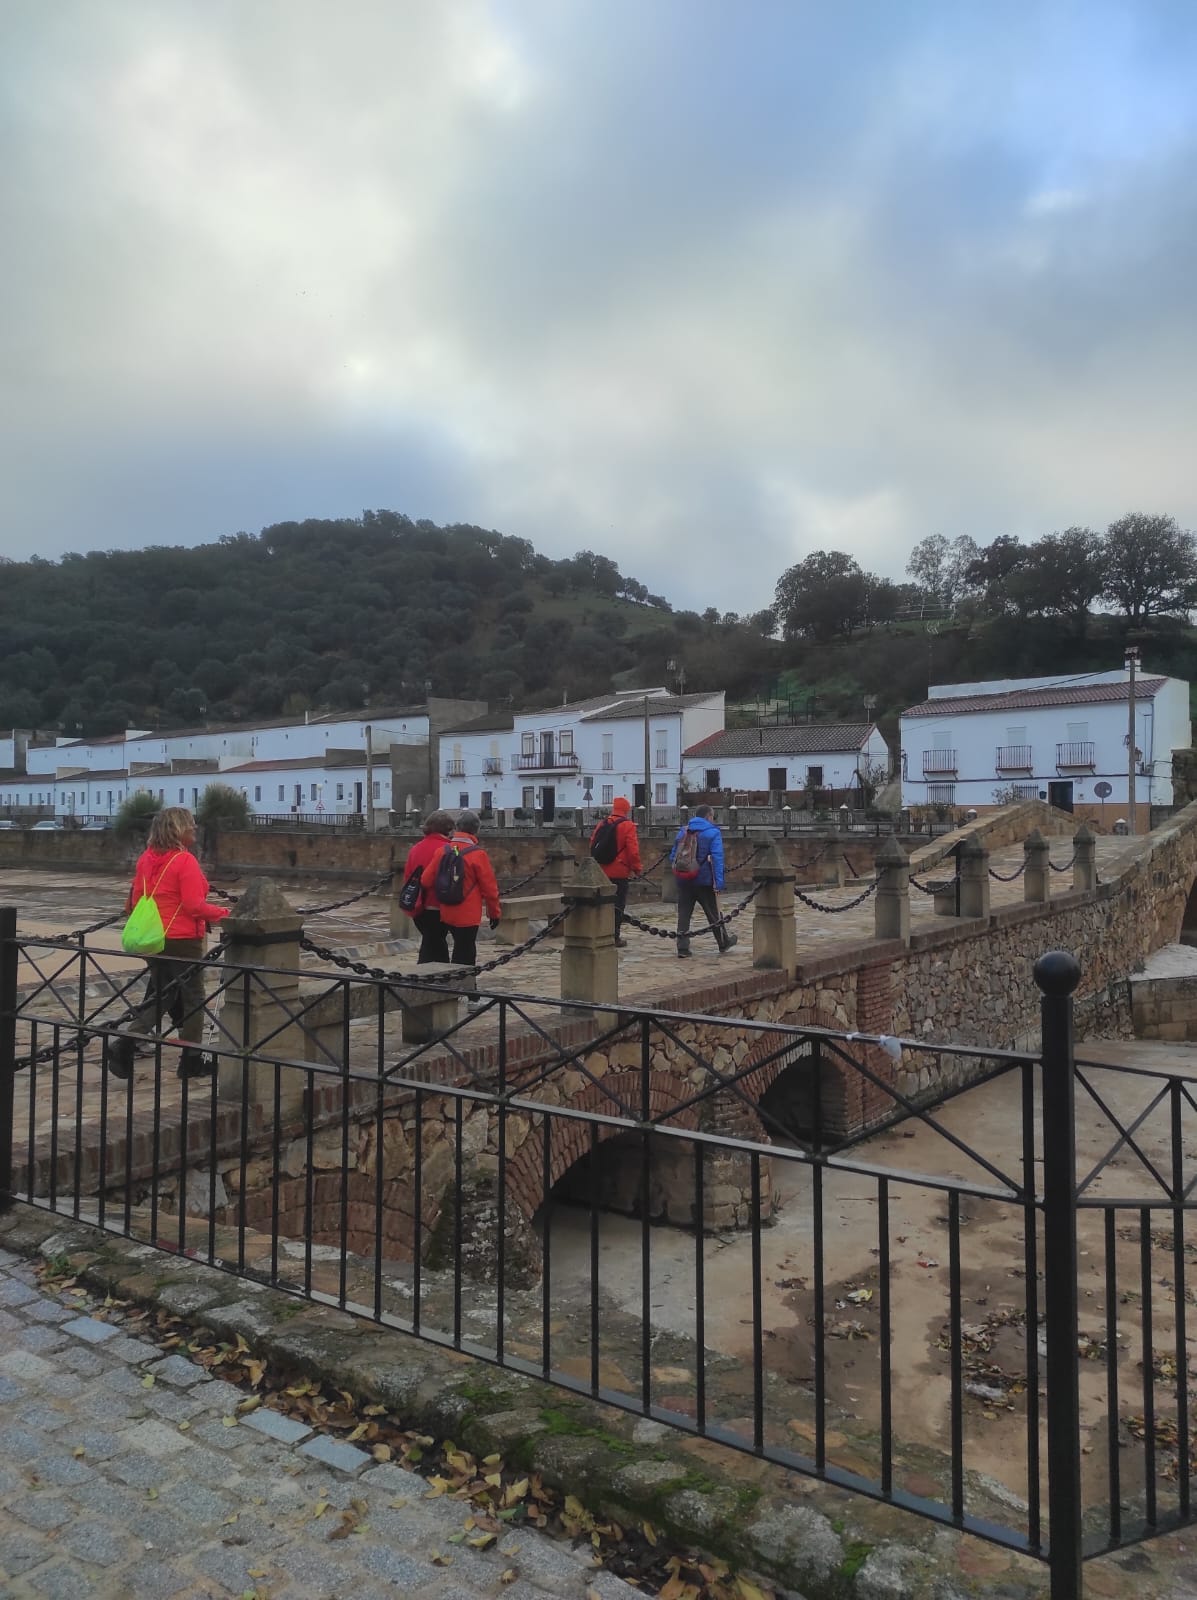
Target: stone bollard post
(1037, 879)
(1084, 866)
(774, 928)
(891, 914)
(559, 870)
(973, 860)
(589, 959)
(263, 931)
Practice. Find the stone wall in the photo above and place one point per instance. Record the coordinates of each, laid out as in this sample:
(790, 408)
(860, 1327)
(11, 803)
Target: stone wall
(1164, 1008)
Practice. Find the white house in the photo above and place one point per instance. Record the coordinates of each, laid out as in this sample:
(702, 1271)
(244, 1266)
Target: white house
(790, 761)
(1064, 739)
(334, 787)
(581, 754)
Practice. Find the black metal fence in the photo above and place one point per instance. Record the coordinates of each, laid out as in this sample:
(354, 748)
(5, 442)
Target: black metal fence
(709, 1221)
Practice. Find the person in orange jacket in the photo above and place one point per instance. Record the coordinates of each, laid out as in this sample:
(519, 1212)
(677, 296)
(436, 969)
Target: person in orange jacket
(434, 941)
(480, 889)
(625, 864)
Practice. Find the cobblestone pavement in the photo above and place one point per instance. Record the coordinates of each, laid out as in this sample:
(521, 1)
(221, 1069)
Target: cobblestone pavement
(122, 1474)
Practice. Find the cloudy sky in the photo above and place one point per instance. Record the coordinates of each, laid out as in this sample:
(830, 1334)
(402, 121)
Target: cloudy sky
(740, 279)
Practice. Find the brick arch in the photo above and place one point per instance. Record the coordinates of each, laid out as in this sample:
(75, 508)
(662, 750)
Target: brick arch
(569, 1141)
(754, 1083)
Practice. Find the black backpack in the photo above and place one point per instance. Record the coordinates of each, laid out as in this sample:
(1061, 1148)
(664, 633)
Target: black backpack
(409, 895)
(449, 886)
(604, 847)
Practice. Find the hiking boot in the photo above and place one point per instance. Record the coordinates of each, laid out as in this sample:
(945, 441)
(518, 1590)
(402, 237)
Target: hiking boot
(621, 944)
(194, 1064)
(119, 1060)
(683, 955)
(732, 938)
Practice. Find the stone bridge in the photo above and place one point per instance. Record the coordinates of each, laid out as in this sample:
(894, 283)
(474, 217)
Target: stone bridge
(965, 979)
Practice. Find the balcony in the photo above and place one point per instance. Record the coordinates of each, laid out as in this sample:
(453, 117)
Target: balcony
(492, 767)
(1014, 758)
(939, 761)
(547, 761)
(455, 769)
(1076, 755)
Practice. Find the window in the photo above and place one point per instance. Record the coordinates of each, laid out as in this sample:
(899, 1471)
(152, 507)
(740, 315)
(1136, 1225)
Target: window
(565, 742)
(315, 794)
(282, 791)
(527, 744)
(777, 778)
(340, 791)
(488, 800)
(711, 778)
(608, 752)
(941, 794)
(180, 797)
(661, 794)
(257, 791)
(608, 793)
(1025, 791)
(814, 777)
(463, 800)
(662, 755)
(528, 799)
(377, 790)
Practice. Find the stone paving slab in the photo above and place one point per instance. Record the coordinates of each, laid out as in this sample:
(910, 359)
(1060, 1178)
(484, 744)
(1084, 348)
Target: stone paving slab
(143, 1509)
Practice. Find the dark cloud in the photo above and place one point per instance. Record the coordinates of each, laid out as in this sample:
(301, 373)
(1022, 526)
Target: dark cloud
(741, 282)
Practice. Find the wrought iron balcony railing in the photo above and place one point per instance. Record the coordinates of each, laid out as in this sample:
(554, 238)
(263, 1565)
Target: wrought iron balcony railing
(545, 761)
(939, 761)
(1076, 753)
(1014, 758)
(455, 769)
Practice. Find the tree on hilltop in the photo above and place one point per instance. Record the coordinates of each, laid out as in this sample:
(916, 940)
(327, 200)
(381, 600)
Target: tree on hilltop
(1151, 565)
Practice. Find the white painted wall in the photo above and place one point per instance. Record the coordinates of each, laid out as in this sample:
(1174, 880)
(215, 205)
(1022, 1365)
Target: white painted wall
(751, 773)
(1161, 724)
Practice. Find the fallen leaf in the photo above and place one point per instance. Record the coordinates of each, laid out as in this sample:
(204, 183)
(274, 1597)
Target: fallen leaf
(148, 1381)
(229, 1422)
(438, 1560)
(250, 1403)
(152, 1494)
(320, 1508)
(481, 1541)
(78, 1450)
(184, 1426)
(381, 1452)
(508, 1576)
(650, 1533)
(749, 1591)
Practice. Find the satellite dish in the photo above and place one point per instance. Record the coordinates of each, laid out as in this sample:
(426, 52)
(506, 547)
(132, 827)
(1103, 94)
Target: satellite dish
(1103, 790)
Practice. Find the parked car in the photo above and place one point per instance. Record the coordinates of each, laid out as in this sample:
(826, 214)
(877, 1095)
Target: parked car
(46, 826)
(96, 825)
(5, 823)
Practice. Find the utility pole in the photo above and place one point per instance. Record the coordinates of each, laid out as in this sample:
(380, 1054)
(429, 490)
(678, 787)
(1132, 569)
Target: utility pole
(369, 781)
(648, 793)
(1132, 661)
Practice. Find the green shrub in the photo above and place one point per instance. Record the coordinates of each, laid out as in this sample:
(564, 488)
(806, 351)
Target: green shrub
(135, 815)
(222, 807)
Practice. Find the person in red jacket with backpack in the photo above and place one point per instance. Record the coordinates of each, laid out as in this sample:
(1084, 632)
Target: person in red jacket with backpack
(463, 887)
(426, 912)
(169, 873)
(615, 845)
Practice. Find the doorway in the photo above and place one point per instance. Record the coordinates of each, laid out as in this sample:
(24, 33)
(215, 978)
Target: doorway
(1059, 794)
(638, 795)
(357, 798)
(548, 803)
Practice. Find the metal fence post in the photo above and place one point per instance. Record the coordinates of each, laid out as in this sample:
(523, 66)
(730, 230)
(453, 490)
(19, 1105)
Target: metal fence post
(1057, 974)
(8, 1045)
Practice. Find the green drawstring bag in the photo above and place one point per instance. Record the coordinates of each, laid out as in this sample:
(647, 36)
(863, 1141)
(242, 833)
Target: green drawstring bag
(143, 933)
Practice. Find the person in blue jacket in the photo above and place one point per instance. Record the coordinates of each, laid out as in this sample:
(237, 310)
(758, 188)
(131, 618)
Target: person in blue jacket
(699, 873)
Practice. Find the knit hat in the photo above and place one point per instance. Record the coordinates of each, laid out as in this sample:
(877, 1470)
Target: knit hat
(621, 806)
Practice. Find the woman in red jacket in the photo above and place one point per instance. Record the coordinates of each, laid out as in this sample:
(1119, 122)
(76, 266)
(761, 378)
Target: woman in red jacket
(481, 888)
(434, 941)
(168, 871)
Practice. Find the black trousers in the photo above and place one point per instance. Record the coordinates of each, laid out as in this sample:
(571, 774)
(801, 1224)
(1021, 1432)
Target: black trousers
(174, 989)
(465, 946)
(434, 937)
(621, 901)
(689, 895)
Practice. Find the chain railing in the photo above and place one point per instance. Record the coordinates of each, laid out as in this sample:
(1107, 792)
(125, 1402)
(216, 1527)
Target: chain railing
(848, 905)
(1065, 866)
(362, 969)
(710, 927)
(338, 905)
(526, 879)
(1008, 877)
(931, 888)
